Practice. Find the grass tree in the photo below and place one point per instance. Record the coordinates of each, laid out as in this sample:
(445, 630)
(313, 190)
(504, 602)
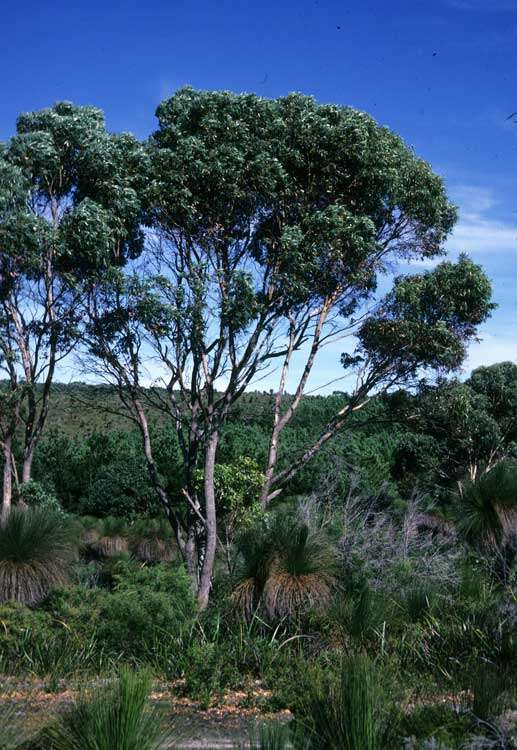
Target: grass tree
(487, 515)
(270, 224)
(287, 568)
(37, 547)
(151, 540)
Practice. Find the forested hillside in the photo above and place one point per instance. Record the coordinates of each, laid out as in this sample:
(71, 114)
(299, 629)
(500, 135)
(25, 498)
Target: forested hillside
(400, 445)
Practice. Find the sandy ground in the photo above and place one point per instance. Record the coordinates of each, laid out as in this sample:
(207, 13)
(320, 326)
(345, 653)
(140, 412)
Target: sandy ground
(186, 724)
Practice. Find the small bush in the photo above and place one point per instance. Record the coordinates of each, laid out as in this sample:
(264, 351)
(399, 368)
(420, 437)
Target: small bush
(437, 723)
(35, 495)
(145, 605)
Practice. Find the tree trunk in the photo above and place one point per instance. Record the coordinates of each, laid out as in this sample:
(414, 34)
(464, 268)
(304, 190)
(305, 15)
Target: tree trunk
(207, 570)
(280, 421)
(270, 470)
(27, 465)
(191, 557)
(7, 493)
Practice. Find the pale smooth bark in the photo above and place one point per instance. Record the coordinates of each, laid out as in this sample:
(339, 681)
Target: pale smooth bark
(207, 570)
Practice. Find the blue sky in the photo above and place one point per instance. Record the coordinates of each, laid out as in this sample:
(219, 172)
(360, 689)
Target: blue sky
(439, 72)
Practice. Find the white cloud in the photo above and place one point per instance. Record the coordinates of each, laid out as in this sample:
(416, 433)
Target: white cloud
(476, 231)
(473, 198)
(489, 350)
(476, 234)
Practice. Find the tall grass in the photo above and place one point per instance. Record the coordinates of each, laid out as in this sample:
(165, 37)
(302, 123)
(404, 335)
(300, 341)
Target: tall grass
(116, 717)
(13, 735)
(58, 657)
(270, 736)
(347, 713)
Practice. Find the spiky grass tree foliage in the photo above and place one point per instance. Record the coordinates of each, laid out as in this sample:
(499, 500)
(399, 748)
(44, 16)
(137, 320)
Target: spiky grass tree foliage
(37, 548)
(487, 687)
(288, 568)
(487, 514)
(255, 553)
(151, 540)
(117, 717)
(113, 540)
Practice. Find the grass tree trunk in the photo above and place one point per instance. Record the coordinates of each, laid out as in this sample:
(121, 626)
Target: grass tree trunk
(207, 569)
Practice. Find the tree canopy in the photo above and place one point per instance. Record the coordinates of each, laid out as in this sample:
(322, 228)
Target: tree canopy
(243, 232)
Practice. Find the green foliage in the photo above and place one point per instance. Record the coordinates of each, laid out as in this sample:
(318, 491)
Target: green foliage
(441, 724)
(145, 604)
(349, 712)
(208, 673)
(270, 736)
(34, 494)
(34, 643)
(457, 428)
(17, 620)
(116, 716)
(37, 548)
(66, 151)
(287, 568)
(427, 319)
(227, 158)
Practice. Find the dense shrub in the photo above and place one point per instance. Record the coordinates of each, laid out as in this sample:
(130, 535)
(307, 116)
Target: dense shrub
(145, 605)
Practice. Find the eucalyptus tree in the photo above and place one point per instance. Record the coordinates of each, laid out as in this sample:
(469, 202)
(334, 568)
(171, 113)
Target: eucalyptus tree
(69, 208)
(465, 427)
(270, 223)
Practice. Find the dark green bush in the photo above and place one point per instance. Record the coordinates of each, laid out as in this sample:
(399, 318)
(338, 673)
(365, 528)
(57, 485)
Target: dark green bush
(16, 621)
(146, 604)
(439, 723)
